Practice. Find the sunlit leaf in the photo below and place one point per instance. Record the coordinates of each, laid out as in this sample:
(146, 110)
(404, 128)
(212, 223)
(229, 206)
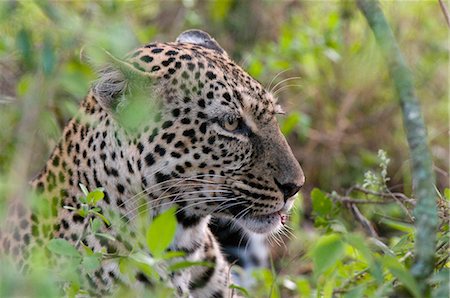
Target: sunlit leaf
(327, 252)
(402, 274)
(447, 194)
(24, 85)
(161, 232)
(303, 288)
(290, 122)
(94, 196)
(87, 250)
(400, 226)
(240, 289)
(173, 254)
(359, 243)
(63, 247)
(255, 68)
(328, 288)
(91, 263)
(322, 205)
(187, 264)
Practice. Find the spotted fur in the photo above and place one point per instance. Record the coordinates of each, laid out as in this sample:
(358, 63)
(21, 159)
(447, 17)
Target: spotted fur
(205, 140)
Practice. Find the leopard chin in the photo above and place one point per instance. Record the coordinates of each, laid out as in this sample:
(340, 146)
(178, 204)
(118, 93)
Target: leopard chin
(264, 224)
(267, 223)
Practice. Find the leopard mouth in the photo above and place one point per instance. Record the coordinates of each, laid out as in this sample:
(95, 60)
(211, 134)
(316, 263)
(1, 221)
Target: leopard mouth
(263, 224)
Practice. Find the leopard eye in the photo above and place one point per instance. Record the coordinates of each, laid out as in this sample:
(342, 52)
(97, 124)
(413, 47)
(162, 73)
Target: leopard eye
(231, 124)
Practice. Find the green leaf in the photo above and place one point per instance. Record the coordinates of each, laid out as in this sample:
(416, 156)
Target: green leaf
(187, 264)
(400, 226)
(356, 292)
(142, 258)
(63, 247)
(441, 280)
(74, 78)
(106, 236)
(240, 289)
(24, 84)
(303, 288)
(49, 10)
(91, 263)
(101, 216)
(72, 290)
(321, 204)
(256, 68)
(96, 224)
(447, 194)
(48, 56)
(290, 122)
(84, 189)
(327, 252)
(82, 200)
(88, 251)
(219, 9)
(380, 244)
(328, 288)
(161, 232)
(83, 212)
(173, 254)
(399, 271)
(359, 243)
(94, 196)
(144, 262)
(25, 45)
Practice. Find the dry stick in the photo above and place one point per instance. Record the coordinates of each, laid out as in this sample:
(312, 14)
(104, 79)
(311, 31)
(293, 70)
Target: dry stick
(395, 195)
(445, 12)
(423, 177)
(365, 223)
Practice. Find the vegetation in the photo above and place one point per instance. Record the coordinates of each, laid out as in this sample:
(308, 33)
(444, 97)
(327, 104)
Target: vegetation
(352, 232)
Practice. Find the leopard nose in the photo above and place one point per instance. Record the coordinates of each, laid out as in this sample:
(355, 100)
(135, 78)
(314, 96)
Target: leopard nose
(288, 189)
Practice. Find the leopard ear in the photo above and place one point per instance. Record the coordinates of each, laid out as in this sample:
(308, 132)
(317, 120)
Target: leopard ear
(201, 38)
(117, 79)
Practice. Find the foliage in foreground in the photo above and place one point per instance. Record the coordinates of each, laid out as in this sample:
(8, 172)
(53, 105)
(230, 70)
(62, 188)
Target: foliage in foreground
(347, 259)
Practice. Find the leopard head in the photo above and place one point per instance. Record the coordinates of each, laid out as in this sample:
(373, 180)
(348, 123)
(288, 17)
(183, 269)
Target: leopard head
(210, 141)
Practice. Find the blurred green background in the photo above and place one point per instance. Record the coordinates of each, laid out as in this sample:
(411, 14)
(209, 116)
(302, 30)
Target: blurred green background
(318, 57)
(330, 75)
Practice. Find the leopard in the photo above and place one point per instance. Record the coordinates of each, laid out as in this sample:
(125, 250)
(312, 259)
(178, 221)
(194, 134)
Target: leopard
(204, 140)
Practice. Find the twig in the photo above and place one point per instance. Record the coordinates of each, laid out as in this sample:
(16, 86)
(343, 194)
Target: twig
(348, 200)
(425, 212)
(388, 197)
(5, 99)
(363, 221)
(396, 195)
(400, 203)
(445, 12)
(342, 289)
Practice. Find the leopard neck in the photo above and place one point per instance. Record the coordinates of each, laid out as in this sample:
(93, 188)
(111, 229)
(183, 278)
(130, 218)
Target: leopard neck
(95, 152)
